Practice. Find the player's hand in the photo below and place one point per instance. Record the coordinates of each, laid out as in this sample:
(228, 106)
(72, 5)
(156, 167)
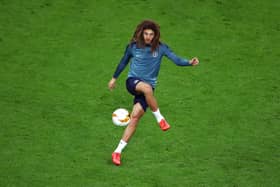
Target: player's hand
(194, 61)
(112, 84)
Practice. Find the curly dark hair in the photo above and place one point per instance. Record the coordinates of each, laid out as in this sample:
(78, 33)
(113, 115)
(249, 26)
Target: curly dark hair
(138, 34)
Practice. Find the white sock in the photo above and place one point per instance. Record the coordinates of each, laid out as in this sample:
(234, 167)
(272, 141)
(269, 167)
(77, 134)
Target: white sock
(158, 115)
(121, 146)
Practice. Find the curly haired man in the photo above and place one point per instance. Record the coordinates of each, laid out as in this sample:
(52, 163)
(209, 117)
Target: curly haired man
(144, 52)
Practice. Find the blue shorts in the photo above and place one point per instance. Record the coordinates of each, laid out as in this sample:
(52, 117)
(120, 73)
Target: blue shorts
(131, 83)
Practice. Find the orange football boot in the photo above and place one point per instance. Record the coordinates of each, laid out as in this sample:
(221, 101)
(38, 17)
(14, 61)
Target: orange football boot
(164, 125)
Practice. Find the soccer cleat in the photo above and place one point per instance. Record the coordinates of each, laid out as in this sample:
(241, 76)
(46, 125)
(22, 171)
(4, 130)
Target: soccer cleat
(116, 158)
(164, 125)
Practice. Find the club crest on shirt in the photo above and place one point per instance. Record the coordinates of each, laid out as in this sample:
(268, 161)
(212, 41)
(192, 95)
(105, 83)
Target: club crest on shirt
(155, 54)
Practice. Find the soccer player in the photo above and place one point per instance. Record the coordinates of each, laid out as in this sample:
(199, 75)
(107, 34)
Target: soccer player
(144, 52)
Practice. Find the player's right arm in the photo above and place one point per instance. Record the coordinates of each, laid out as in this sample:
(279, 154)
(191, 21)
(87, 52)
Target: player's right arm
(124, 61)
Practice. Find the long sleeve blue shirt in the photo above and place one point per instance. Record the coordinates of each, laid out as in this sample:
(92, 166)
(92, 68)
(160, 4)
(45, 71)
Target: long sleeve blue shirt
(145, 64)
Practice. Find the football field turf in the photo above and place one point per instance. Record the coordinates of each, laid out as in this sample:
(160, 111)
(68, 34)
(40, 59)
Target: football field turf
(56, 58)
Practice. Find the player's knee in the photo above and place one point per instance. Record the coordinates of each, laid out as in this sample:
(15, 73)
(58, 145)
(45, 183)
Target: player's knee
(148, 90)
(135, 116)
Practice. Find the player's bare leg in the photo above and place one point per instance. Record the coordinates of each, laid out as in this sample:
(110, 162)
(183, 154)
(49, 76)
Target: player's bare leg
(147, 90)
(136, 114)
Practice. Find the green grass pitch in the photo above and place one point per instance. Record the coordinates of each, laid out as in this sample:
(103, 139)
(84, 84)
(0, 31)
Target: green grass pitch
(56, 58)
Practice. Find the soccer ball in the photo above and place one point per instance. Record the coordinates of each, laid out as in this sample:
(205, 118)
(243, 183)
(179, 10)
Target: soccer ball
(121, 117)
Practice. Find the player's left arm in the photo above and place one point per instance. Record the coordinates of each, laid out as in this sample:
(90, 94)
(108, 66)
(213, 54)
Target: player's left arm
(178, 60)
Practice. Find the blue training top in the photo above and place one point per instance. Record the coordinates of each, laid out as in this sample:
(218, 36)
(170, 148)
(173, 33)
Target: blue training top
(145, 64)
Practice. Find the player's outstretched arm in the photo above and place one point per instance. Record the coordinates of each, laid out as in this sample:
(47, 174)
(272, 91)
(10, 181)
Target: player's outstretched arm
(112, 83)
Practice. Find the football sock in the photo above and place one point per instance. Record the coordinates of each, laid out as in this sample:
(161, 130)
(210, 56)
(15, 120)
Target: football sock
(121, 146)
(158, 115)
